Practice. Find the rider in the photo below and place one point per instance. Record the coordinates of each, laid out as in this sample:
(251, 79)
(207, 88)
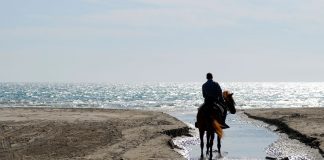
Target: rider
(213, 95)
(211, 90)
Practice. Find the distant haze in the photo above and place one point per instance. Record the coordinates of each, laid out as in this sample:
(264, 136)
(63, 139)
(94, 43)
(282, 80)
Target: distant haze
(161, 40)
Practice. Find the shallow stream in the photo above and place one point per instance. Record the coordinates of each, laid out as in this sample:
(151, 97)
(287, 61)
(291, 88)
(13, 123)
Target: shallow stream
(245, 139)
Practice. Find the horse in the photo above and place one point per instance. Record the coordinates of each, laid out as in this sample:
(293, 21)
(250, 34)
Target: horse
(213, 122)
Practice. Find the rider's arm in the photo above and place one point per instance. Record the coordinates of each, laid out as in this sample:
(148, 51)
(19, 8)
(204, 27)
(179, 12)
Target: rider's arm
(204, 92)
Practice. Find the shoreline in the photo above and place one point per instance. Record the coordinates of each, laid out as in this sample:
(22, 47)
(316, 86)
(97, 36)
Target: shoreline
(75, 133)
(303, 124)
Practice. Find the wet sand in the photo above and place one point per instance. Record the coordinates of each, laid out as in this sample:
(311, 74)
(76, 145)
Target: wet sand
(43, 133)
(303, 124)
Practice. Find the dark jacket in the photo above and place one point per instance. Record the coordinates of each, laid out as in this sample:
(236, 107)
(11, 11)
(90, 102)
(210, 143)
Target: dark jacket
(212, 91)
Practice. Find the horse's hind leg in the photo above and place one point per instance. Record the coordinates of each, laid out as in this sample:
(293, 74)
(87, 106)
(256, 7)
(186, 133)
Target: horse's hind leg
(201, 135)
(211, 142)
(207, 142)
(218, 145)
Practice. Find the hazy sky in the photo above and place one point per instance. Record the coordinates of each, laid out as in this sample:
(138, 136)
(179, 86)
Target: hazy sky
(161, 40)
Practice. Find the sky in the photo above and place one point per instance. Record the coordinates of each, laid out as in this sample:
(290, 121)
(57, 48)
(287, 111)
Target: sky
(161, 40)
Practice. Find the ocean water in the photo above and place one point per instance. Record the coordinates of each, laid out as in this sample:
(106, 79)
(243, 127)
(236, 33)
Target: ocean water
(158, 96)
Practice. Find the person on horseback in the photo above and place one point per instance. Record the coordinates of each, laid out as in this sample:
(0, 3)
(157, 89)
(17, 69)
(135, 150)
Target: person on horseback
(213, 96)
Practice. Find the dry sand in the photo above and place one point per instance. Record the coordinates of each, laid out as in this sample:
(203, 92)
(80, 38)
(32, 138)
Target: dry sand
(43, 133)
(304, 124)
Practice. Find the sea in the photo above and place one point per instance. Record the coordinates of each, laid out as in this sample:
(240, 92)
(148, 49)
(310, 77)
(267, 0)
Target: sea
(158, 96)
(246, 139)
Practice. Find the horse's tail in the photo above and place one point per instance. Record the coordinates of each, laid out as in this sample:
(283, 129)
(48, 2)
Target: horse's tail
(218, 128)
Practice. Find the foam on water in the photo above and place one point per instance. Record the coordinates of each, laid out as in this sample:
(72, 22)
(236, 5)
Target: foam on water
(158, 96)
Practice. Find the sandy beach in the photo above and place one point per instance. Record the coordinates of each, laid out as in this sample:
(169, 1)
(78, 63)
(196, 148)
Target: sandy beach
(43, 133)
(303, 124)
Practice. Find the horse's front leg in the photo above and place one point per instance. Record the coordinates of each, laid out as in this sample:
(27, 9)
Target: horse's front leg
(201, 135)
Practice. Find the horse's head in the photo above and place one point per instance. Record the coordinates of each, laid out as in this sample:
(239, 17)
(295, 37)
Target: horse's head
(230, 103)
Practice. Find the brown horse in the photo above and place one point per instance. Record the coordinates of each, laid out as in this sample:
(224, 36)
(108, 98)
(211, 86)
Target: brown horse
(210, 119)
